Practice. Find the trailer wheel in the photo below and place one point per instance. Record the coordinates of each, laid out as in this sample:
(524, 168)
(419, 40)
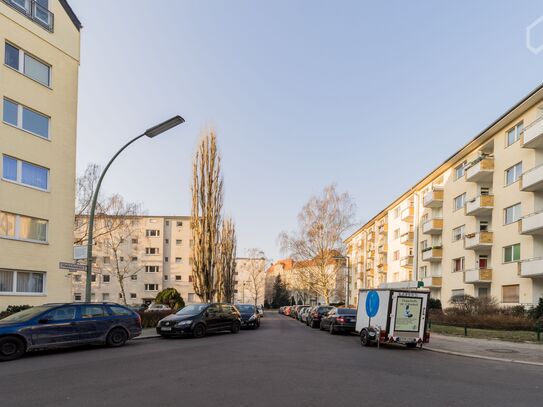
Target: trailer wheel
(411, 345)
(365, 338)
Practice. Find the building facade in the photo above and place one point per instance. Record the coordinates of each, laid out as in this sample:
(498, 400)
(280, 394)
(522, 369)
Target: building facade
(250, 280)
(40, 41)
(473, 226)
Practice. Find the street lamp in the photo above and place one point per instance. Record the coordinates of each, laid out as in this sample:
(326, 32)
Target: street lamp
(151, 132)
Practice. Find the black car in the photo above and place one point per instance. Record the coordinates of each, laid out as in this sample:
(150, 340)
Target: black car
(250, 316)
(339, 320)
(315, 314)
(198, 319)
(63, 325)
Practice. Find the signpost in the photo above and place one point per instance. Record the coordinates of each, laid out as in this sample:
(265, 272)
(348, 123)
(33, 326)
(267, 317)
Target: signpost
(72, 266)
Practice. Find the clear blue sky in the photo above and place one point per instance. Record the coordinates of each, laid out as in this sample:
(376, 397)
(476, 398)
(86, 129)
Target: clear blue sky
(302, 93)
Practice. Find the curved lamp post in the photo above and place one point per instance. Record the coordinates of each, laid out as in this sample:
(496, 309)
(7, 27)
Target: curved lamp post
(152, 132)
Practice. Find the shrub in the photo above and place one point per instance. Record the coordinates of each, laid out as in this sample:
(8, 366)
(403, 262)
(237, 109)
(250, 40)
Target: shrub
(150, 319)
(537, 311)
(12, 309)
(434, 303)
(170, 297)
(469, 306)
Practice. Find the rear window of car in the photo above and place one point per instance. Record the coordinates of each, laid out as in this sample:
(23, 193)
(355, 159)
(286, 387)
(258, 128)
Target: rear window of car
(227, 308)
(324, 309)
(346, 311)
(120, 311)
(92, 311)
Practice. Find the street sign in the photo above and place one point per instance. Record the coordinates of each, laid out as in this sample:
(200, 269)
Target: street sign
(80, 252)
(72, 266)
(372, 304)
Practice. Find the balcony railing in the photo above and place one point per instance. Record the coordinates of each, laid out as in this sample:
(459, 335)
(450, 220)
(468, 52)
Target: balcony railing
(480, 205)
(432, 282)
(533, 134)
(432, 254)
(407, 238)
(478, 241)
(532, 224)
(531, 268)
(432, 226)
(34, 11)
(407, 214)
(406, 261)
(532, 180)
(480, 275)
(433, 198)
(480, 170)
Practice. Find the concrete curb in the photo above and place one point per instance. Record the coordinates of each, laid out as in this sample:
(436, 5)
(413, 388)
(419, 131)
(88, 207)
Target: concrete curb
(140, 338)
(470, 355)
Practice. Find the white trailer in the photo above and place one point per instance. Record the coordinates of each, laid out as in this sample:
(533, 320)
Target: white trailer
(392, 316)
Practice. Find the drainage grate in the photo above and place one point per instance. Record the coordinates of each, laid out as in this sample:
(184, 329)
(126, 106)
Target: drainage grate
(503, 350)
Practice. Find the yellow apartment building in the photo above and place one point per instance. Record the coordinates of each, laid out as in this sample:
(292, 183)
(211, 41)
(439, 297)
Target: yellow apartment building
(40, 42)
(472, 226)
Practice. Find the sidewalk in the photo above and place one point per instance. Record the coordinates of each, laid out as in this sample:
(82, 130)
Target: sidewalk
(148, 333)
(512, 352)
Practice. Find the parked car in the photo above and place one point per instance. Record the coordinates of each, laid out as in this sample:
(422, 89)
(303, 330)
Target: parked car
(198, 319)
(63, 325)
(250, 316)
(315, 315)
(281, 310)
(339, 320)
(158, 307)
(287, 310)
(302, 315)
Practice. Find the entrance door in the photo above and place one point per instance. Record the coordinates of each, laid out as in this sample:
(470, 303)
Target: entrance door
(483, 261)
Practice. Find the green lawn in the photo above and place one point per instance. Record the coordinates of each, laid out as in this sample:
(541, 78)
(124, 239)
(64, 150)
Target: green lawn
(512, 336)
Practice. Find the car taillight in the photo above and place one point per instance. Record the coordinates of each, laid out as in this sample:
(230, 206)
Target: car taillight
(139, 319)
(340, 319)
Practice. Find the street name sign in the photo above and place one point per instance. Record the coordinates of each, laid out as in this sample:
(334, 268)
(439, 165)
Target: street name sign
(72, 266)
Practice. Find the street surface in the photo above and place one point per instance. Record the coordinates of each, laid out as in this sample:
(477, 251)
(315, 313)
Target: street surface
(284, 363)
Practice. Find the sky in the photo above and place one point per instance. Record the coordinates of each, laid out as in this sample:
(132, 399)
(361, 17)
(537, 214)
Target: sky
(368, 95)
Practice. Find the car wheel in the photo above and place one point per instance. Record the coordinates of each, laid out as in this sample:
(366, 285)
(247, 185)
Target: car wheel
(411, 345)
(332, 329)
(199, 331)
(365, 338)
(235, 327)
(116, 337)
(11, 348)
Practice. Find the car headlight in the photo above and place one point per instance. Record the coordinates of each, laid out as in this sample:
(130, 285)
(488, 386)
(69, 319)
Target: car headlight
(253, 317)
(184, 323)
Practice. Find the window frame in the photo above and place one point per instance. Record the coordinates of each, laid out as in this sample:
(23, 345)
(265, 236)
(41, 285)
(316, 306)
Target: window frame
(518, 293)
(17, 229)
(518, 174)
(519, 205)
(463, 196)
(21, 68)
(14, 291)
(504, 261)
(463, 167)
(462, 235)
(518, 133)
(462, 263)
(20, 122)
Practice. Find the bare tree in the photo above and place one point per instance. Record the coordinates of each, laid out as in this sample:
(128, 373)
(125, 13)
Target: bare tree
(227, 261)
(256, 274)
(114, 207)
(207, 200)
(318, 243)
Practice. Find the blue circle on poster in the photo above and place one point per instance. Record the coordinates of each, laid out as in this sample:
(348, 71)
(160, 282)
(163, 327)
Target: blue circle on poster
(372, 303)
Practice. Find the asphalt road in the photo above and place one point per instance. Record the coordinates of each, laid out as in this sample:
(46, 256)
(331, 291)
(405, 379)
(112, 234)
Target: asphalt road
(284, 363)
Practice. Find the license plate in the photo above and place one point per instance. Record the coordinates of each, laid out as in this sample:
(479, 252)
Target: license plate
(166, 328)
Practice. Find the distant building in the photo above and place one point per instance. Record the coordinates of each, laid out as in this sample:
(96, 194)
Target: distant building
(250, 280)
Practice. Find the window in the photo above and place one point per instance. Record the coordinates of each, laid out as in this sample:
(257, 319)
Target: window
(105, 296)
(24, 173)
(396, 212)
(510, 293)
(483, 226)
(134, 241)
(165, 278)
(178, 242)
(27, 65)
(121, 258)
(106, 278)
(424, 245)
(151, 250)
(134, 258)
(177, 278)
(458, 264)
(119, 311)
(397, 234)
(396, 255)
(152, 233)
(179, 223)
(511, 253)
(134, 277)
(77, 277)
(77, 297)
(178, 260)
(457, 294)
(483, 292)
(92, 311)
(26, 119)
(512, 174)
(120, 295)
(152, 220)
(61, 314)
(513, 135)
(458, 233)
(93, 278)
(423, 271)
(23, 227)
(484, 191)
(459, 171)
(166, 241)
(166, 259)
(151, 287)
(133, 295)
(511, 214)
(167, 223)
(107, 260)
(151, 269)
(190, 279)
(12, 281)
(459, 201)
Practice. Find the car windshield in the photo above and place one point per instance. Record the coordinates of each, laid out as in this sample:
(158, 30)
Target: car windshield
(27, 314)
(346, 311)
(324, 309)
(245, 308)
(192, 309)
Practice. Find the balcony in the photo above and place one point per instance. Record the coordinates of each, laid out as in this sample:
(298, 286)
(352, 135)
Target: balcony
(480, 170)
(433, 198)
(478, 241)
(382, 229)
(432, 227)
(407, 214)
(406, 261)
(533, 135)
(532, 224)
(371, 254)
(480, 205)
(532, 180)
(371, 235)
(531, 268)
(432, 282)
(432, 254)
(407, 238)
(35, 12)
(382, 248)
(382, 268)
(478, 276)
